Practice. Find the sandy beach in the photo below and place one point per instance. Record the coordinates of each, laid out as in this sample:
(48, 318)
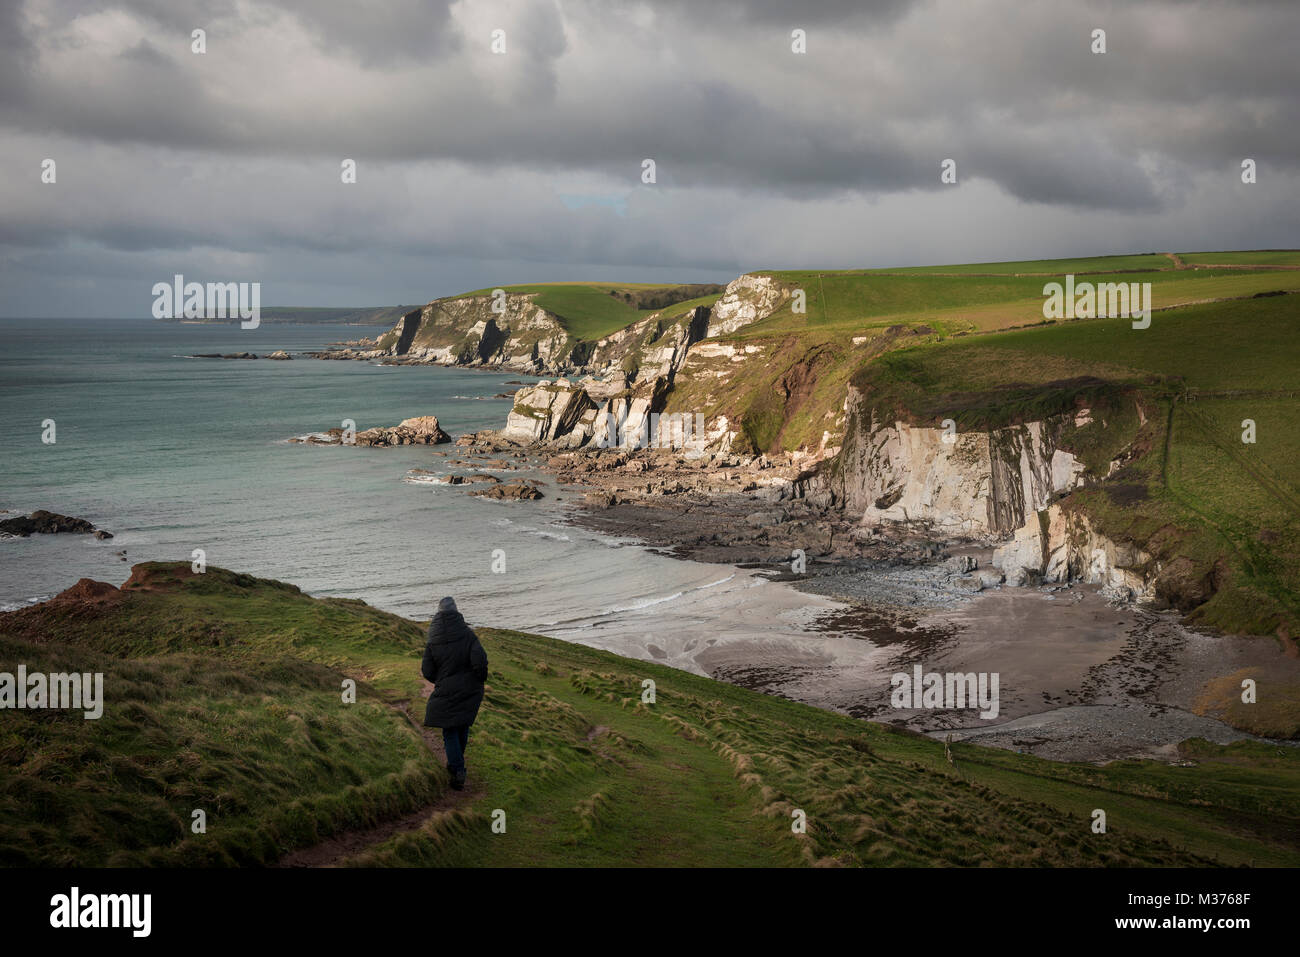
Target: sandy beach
(1081, 677)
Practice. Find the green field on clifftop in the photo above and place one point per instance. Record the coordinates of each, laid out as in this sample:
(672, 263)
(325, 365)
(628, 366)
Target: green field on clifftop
(223, 694)
(970, 343)
(858, 302)
(1229, 508)
(591, 310)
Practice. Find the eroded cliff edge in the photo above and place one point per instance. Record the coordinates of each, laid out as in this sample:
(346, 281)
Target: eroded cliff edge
(833, 433)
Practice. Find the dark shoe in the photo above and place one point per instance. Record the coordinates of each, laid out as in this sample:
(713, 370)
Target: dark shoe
(458, 781)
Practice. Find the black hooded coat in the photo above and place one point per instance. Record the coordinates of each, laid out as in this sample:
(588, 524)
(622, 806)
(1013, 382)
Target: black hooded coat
(457, 665)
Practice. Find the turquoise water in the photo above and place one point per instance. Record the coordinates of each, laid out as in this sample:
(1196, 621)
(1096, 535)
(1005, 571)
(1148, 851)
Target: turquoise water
(172, 454)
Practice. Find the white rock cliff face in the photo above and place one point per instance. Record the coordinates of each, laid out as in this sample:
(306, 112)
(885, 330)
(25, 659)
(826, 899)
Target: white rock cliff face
(546, 412)
(524, 337)
(658, 347)
(746, 299)
(974, 484)
(1062, 546)
(996, 485)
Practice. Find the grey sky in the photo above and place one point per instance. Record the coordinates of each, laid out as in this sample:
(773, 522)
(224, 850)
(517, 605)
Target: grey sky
(478, 169)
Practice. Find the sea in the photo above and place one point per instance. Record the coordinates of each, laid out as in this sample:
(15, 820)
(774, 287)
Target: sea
(173, 454)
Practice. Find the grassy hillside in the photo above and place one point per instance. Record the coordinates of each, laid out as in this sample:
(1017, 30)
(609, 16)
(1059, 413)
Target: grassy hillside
(1045, 267)
(222, 693)
(1229, 508)
(1258, 257)
(1250, 345)
(789, 395)
(858, 302)
(971, 343)
(591, 310)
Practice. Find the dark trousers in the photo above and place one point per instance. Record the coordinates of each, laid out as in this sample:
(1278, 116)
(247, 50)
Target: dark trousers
(455, 740)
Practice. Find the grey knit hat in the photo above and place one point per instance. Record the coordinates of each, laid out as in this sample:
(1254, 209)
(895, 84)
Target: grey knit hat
(447, 604)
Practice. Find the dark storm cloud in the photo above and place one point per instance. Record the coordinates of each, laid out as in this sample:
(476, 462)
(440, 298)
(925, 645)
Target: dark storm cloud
(892, 84)
(793, 13)
(463, 152)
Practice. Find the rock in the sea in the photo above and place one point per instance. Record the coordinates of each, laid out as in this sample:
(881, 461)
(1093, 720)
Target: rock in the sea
(46, 523)
(515, 491)
(426, 426)
(420, 430)
(469, 479)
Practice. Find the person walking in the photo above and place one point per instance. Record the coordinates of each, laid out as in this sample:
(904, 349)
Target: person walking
(456, 664)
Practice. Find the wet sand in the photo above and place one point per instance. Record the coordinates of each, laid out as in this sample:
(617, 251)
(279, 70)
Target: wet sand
(1080, 677)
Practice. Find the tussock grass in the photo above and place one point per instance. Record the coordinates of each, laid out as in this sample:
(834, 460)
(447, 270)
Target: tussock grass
(585, 773)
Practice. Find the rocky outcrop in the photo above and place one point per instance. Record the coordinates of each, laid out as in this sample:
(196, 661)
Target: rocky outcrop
(974, 484)
(509, 332)
(564, 415)
(654, 347)
(745, 300)
(548, 412)
(630, 418)
(420, 430)
(513, 332)
(512, 491)
(469, 479)
(1004, 485)
(48, 523)
(1061, 545)
(628, 375)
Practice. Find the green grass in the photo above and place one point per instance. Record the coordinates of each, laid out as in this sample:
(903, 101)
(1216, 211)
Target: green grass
(1251, 344)
(1247, 495)
(1047, 267)
(586, 309)
(964, 297)
(1213, 499)
(789, 392)
(849, 303)
(1258, 257)
(222, 693)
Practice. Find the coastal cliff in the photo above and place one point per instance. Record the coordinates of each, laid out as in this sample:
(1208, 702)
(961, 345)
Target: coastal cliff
(1014, 487)
(550, 332)
(916, 406)
(1002, 486)
(467, 331)
(974, 483)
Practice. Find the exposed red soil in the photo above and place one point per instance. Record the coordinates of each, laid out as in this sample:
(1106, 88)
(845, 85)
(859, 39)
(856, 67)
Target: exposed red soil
(147, 578)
